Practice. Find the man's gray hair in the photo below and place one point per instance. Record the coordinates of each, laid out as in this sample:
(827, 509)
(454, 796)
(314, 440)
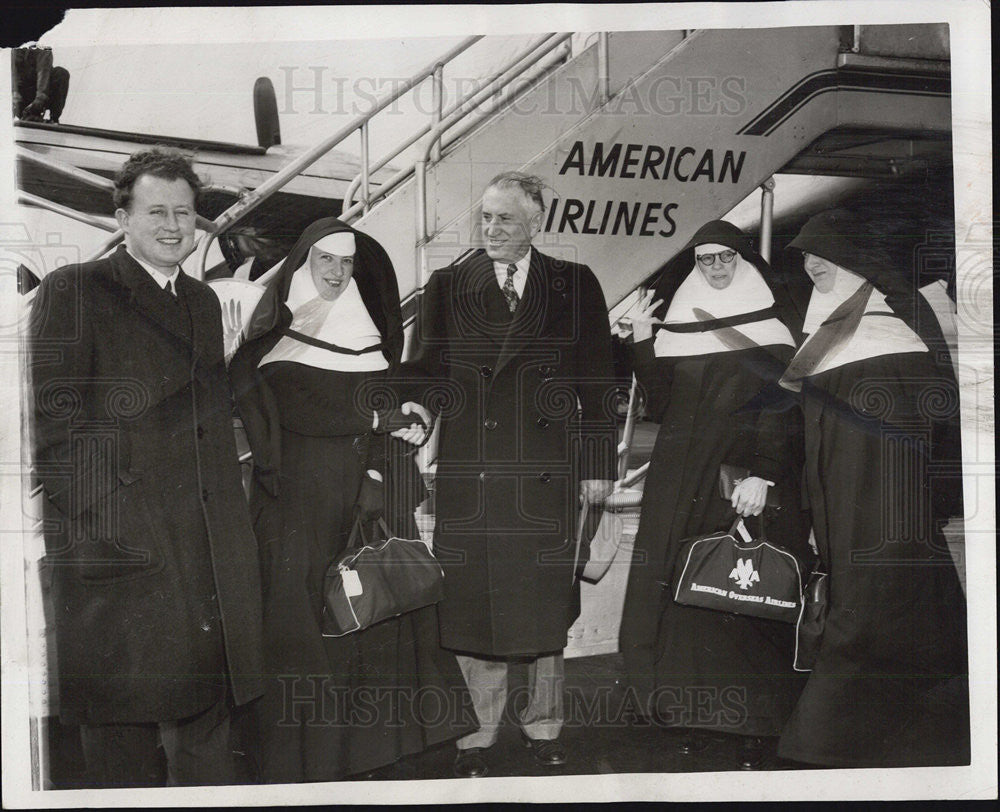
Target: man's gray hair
(530, 185)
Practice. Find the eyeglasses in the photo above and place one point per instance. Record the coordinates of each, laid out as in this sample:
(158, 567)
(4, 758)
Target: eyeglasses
(708, 260)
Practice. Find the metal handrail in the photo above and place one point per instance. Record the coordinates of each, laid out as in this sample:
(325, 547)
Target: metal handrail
(472, 118)
(437, 115)
(628, 432)
(631, 479)
(70, 171)
(293, 168)
(41, 203)
(421, 165)
(99, 181)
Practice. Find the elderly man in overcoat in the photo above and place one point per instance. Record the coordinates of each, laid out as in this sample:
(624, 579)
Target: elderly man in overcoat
(513, 349)
(149, 547)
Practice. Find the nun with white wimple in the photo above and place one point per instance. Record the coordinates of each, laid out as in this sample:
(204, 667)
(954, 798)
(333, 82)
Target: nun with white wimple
(320, 347)
(889, 687)
(711, 339)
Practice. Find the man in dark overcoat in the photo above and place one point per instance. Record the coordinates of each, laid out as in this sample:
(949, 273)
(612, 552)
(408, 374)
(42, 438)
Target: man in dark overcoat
(512, 348)
(149, 547)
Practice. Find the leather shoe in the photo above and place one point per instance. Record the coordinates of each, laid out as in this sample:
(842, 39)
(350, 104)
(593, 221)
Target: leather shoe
(752, 753)
(692, 742)
(471, 763)
(547, 752)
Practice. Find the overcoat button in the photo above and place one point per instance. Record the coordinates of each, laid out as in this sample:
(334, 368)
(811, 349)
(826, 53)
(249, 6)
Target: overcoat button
(490, 423)
(543, 422)
(485, 371)
(545, 476)
(201, 433)
(204, 494)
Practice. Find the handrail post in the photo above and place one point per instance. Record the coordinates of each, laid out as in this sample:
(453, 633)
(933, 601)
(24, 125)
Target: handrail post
(604, 77)
(628, 432)
(201, 249)
(421, 181)
(365, 192)
(437, 105)
(766, 217)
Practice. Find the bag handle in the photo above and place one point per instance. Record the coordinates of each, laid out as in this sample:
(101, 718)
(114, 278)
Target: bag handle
(734, 532)
(358, 531)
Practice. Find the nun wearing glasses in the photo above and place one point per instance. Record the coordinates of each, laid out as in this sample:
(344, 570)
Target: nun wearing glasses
(309, 385)
(710, 341)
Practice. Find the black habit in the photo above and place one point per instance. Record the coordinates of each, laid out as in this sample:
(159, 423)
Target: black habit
(694, 667)
(334, 706)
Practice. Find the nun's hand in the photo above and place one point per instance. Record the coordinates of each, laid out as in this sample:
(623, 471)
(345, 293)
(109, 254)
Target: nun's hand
(749, 496)
(641, 316)
(418, 432)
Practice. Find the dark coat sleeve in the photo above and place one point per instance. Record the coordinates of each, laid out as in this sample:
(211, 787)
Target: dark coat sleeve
(427, 362)
(654, 378)
(595, 383)
(258, 410)
(61, 350)
(779, 448)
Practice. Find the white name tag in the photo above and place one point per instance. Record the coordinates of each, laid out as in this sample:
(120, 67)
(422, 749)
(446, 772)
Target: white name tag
(741, 529)
(352, 583)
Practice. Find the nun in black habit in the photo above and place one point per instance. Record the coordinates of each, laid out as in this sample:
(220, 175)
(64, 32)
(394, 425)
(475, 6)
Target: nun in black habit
(325, 337)
(890, 683)
(717, 403)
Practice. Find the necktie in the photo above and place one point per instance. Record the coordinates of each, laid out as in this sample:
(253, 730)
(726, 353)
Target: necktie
(508, 289)
(169, 287)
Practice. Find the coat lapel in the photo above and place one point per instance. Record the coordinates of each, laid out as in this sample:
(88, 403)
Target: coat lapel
(146, 296)
(480, 306)
(545, 294)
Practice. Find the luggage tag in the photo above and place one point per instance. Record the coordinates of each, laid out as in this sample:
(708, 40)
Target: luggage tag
(352, 583)
(741, 529)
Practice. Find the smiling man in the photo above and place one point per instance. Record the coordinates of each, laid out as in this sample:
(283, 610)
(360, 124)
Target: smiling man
(149, 545)
(519, 344)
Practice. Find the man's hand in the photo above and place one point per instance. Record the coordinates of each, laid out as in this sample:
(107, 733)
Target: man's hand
(749, 496)
(33, 111)
(418, 432)
(595, 491)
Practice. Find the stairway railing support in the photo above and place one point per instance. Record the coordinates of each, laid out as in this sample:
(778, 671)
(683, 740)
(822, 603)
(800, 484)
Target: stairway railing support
(766, 217)
(604, 77)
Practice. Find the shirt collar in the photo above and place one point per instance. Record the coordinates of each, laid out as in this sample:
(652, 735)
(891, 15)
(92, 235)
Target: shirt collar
(522, 267)
(159, 277)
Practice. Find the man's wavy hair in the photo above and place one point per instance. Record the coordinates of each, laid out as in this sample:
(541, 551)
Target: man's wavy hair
(530, 185)
(160, 162)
